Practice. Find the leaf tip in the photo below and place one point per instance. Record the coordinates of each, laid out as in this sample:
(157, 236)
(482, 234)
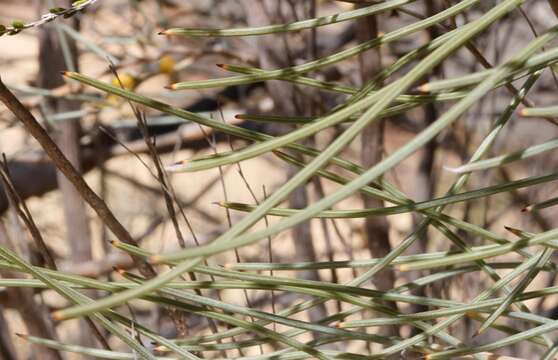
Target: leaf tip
(455, 170)
(404, 268)
(424, 88)
(177, 166)
(510, 229)
(56, 316)
(514, 231)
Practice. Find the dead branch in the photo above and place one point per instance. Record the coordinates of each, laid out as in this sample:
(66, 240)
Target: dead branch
(62, 163)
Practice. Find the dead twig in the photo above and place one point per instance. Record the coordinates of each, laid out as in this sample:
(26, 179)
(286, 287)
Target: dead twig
(25, 215)
(62, 163)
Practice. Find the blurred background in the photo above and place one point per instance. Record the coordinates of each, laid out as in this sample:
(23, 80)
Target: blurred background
(100, 135)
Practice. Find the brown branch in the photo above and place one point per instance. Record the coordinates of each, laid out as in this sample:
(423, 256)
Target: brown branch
(376, 229)
(52, 60)
(33, 313)
(25, 215)
(62, 163)
(7, 350)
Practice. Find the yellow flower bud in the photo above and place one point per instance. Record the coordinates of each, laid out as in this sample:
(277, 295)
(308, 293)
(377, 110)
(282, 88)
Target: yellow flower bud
(167, 64)
(127, 81)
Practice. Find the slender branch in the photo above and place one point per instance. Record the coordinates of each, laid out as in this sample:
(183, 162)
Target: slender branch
(64, 165)
(53, 14)
(23, 212)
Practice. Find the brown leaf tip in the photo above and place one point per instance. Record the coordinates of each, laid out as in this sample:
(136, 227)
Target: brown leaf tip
(56, 316)
(424, 88)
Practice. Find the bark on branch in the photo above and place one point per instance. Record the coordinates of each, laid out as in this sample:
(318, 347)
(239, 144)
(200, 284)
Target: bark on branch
(62, 163)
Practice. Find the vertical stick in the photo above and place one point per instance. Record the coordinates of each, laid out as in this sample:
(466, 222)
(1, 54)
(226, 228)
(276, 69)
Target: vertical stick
(376, 228)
